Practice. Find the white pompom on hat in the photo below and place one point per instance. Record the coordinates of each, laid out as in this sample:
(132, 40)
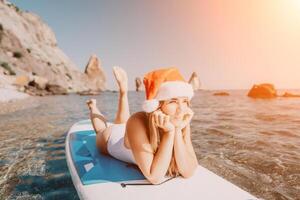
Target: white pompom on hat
(163, 84)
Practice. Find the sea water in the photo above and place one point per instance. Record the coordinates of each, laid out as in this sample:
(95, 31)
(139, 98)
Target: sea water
(253, 143)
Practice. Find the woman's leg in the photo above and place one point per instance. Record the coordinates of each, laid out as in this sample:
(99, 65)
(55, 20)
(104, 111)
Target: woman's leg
(99, 124)
(98, 120)
(123, 107)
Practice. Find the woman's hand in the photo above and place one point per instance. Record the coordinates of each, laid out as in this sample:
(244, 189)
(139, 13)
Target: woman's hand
(163, 121)
(187, 117)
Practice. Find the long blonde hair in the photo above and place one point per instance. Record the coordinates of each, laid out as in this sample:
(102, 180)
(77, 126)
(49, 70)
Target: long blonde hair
(154, 137)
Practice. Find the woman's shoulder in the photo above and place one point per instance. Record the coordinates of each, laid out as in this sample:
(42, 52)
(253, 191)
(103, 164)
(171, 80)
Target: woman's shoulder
(140, 116)
(137, 132)
(138, 119)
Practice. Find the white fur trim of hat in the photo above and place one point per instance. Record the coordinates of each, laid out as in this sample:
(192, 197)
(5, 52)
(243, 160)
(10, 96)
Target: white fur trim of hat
(168, 90)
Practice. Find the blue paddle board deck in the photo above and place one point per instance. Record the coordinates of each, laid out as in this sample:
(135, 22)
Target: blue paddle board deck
(94, 167)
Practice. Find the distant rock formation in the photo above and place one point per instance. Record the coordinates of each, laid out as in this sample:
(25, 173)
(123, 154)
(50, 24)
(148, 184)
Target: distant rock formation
(28, 46)
(89, 92)
(194, 81)
(138, 84)
(287, 94)
(95, 74)
(265, 90)
(221, 94)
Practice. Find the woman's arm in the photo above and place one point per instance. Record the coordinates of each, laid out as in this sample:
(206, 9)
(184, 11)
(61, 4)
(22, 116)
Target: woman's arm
(153, 166)
(185, 156)
(162, 158)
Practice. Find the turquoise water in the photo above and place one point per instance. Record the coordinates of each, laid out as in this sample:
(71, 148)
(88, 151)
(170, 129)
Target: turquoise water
(253, 143)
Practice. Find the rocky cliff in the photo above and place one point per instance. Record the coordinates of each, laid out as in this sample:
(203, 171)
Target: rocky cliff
(29, 47)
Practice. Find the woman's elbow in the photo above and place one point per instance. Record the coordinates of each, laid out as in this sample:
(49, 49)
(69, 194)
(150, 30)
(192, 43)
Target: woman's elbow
(190, 172)
(188, 175)
(155, 180)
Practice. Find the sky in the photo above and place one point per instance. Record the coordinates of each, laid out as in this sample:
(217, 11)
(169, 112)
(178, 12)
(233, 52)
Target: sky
(230, 44)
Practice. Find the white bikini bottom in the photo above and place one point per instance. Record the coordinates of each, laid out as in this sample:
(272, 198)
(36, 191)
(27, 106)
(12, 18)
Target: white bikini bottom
(115, 143)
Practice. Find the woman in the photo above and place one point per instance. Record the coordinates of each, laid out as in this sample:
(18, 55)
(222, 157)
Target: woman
(157, 140)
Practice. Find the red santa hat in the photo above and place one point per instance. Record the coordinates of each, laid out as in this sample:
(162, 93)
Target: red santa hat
(163, 84)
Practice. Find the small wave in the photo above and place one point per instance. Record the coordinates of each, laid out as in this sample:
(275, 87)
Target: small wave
(285, 133)
(261, 143)
(266, 132)
(215, 131)
(272, 118)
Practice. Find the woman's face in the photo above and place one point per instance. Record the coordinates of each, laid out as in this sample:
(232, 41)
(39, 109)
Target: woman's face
(175, 107)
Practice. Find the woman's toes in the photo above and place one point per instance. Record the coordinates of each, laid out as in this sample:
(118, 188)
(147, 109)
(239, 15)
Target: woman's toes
(91, 102)
(88, 102)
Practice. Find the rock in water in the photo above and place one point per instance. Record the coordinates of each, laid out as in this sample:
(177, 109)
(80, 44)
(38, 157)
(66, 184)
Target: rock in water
(95, 74)
(56, 89)
(265, 90)
(194, 81)
(287, 94)
(138, 84)
(88, 93)
(221, 94)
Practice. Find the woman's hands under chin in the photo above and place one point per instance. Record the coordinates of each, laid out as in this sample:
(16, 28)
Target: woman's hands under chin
(182, 123)
(163, 122)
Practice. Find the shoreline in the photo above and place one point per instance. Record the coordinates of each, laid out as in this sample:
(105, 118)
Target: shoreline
(12, 100)
(9, 94)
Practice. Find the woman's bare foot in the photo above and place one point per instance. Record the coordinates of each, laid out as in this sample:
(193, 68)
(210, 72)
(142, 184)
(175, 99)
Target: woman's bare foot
(91, 103)
(121, 78)
(95, 115)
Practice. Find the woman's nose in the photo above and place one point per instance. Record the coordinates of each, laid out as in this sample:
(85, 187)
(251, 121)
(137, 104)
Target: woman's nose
(180, 107)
